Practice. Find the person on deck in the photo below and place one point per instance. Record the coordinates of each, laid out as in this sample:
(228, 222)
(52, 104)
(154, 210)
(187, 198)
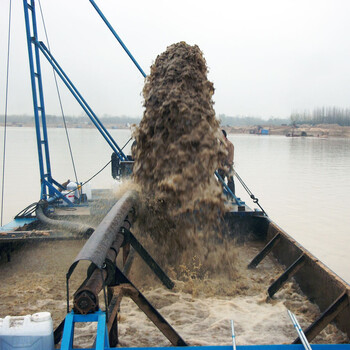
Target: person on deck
(228, 165)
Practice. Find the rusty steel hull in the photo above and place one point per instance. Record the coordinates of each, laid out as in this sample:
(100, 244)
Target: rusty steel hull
(320, 284)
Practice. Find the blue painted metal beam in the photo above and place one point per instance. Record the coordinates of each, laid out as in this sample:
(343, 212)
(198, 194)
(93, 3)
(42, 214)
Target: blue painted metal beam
(252, 347)
(227, 189)
(87, 109)
(117, 37)
(37, 93)
(239, 347)
(102, 342)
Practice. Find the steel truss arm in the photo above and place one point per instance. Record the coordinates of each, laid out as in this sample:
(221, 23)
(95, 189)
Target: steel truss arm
(87, 109)
(117, 37)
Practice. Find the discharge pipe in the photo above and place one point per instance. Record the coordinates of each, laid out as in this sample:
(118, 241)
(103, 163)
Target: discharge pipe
(102, 249)
(82, 229)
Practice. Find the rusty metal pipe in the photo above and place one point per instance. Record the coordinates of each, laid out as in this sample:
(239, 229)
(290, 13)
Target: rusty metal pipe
(96, 248)
(86, 297)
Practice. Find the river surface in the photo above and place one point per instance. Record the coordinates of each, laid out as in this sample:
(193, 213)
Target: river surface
(302, 184)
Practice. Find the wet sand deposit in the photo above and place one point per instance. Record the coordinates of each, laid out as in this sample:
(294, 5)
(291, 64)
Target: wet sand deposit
(198, 308)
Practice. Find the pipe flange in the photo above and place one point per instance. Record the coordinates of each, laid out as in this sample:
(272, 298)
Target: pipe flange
(85, 302)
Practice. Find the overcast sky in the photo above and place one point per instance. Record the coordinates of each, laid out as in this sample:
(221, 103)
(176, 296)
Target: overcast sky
(265, 57)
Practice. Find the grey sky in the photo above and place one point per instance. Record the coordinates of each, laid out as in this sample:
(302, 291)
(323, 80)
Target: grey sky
(266, 58)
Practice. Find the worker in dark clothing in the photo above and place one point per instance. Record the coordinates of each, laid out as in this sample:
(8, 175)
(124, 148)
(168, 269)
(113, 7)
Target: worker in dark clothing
(227, 170)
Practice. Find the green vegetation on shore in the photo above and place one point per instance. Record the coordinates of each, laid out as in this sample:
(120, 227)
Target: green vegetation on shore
(323, 115)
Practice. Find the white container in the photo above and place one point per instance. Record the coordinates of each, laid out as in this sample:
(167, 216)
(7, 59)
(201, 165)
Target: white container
(86, 189)
(72, 188)
(68, 195)
(30, 332)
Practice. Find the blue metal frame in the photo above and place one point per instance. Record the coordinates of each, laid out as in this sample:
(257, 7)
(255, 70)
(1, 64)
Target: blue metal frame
(252, 347)
(37, 91)
(117, 37)
(102, 341)
(228, 191)
(48, 184)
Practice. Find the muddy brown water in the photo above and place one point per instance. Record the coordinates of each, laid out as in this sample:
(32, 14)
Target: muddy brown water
(199, 308)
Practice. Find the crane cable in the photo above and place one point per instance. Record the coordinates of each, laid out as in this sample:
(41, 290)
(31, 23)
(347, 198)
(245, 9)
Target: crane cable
(251, 195)
(5, 115)
(30, 209)
(59, 97)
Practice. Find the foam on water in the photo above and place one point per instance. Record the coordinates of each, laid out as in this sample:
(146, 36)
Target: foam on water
(199, 307)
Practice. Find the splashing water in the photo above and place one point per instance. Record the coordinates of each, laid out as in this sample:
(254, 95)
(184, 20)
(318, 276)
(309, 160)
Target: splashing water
(179, 147)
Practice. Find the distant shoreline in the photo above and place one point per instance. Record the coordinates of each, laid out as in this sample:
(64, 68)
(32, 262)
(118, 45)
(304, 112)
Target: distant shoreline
(321, 130)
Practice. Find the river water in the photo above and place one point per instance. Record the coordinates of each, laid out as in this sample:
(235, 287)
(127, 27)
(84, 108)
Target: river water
(302, 183)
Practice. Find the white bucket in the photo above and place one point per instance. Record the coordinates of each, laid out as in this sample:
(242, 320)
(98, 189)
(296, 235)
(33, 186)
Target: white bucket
(86, 189)
(69, 196)
(73, 188)
(30, 332)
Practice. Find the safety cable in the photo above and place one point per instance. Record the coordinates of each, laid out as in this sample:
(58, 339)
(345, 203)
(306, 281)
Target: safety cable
(5, 116)
(126, 143)
(251, 195)
(105, 165)
(30, 209)
(59, 98)
(96, 174)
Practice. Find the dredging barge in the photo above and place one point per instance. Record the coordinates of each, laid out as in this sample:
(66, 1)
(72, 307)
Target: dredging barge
(113, 234)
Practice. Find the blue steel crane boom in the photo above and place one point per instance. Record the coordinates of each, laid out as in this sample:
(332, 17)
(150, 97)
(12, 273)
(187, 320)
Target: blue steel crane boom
(49, 186)
(48, 183)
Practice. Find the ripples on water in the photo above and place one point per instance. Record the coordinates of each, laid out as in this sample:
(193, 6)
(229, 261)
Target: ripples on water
(303, 185)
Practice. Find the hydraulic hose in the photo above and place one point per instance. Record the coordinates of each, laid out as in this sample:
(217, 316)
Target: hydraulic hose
(82, 229)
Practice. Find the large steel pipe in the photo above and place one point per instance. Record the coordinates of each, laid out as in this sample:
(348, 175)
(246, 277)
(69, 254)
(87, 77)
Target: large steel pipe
(102, 249)
(97, 246)
(86, 297)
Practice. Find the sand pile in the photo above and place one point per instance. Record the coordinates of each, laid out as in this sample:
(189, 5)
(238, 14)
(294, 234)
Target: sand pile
(179, 146)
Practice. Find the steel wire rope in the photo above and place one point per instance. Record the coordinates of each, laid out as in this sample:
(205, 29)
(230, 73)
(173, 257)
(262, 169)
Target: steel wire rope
(30, 209)
(59, 98)
(104, 165)
(251, 195)
(5, 115)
